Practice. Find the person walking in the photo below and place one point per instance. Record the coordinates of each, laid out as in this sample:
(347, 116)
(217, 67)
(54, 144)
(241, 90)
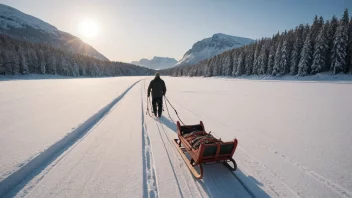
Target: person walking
(158, 88)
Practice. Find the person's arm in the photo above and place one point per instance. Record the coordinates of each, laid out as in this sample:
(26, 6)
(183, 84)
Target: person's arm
(149, 88)
(164, 89)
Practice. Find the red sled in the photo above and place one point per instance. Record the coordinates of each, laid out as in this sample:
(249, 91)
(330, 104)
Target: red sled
(198, 147)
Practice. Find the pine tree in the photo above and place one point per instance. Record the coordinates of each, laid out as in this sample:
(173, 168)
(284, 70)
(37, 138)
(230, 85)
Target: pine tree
(63, 68)
(256, 60)
(276, 68)
(349, 52)
(42, 62)
(345, 18)
(263, 59)
(240, 64)
(285, 58)
(23, 64)
(271, 59)
(339, 51)
(14, 63)
(235, 63)
(2, 64)
(217, 66)
(306, 57)
(330, 38)
(249, 60)
(321, 46)
(75, 72)
(52, 65)
(227, 63)
(296, 54)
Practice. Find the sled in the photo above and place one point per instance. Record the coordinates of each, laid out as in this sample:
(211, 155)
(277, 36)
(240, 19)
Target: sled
(197, 147)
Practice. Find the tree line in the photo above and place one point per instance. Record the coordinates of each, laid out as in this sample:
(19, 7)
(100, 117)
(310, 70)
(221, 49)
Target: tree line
(306, 50)
(23, 57)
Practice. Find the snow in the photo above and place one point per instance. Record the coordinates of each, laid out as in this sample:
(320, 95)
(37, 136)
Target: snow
(20, 20)
(156, 62)
(294, 138)
(212, 46)
(37, 113)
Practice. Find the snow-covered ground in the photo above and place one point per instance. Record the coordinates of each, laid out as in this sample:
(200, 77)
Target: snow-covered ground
(92, 137)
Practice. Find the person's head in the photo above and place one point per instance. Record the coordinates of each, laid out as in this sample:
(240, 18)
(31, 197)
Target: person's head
(157, 75)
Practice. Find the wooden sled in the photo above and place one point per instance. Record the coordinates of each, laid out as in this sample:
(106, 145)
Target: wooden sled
(203, 148)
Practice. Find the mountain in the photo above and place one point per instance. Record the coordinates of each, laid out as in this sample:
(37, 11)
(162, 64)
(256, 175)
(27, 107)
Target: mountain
(156, 62)
(23, 26)
(212, 46)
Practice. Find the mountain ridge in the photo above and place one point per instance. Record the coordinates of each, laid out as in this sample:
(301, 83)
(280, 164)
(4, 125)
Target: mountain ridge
(156, 62)
(212, 46)
(20, 25)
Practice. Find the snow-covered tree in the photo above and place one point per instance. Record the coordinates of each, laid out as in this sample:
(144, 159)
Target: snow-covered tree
(306, 57)
(330, 38)
(249, 60)
(285, 58)
(339, 51)
(23, 64)
(227, 64)
(52, 65)
(271, 59)
(42, 62)
(75, 71)
(235, 62)
(258, 47)
(296, 55)
(278, 54)
(263, 58)
(64, 66)
(240, 64)
(349, 52)
(320, 48)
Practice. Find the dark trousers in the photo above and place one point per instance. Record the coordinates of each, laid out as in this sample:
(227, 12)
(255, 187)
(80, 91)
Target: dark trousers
(159, 101)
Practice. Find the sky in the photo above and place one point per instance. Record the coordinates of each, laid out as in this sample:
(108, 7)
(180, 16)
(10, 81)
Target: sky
(128, 30)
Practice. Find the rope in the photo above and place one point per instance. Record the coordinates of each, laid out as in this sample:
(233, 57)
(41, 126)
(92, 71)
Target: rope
(168, 109)
(174, 110)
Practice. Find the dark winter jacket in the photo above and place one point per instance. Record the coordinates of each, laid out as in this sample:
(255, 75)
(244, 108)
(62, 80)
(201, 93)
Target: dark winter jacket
(158, 88)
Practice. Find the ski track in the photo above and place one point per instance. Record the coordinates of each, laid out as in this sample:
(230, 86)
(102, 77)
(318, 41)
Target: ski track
(179, 170)
(52, 154)
(259, 165)
(149, 177)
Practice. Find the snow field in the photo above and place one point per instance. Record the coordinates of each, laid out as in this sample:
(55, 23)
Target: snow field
(293, 139)
(106, 162)
(35, 114)
(293, 136)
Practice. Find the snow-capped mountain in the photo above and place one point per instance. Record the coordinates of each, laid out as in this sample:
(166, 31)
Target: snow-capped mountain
(212, 46)
(23, 26)
(156, 62)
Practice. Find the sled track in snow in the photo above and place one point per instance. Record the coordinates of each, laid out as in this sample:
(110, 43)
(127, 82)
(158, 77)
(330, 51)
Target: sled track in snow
(42, 160)
(150, 188)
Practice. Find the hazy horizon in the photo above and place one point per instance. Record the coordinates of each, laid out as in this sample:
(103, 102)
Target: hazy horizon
(129, 31)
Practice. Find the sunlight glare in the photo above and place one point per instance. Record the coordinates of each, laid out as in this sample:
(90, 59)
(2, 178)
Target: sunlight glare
(88, 28)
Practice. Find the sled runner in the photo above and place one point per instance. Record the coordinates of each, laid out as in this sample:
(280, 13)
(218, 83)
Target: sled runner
(198, 147)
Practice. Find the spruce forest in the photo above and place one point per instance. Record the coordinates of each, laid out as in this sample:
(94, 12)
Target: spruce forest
(324, 46)
(23, 57)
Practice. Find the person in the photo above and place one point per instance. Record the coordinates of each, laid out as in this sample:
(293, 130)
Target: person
(158, 88)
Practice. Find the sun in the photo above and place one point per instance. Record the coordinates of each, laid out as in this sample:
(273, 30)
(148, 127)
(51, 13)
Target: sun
(88, 28)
